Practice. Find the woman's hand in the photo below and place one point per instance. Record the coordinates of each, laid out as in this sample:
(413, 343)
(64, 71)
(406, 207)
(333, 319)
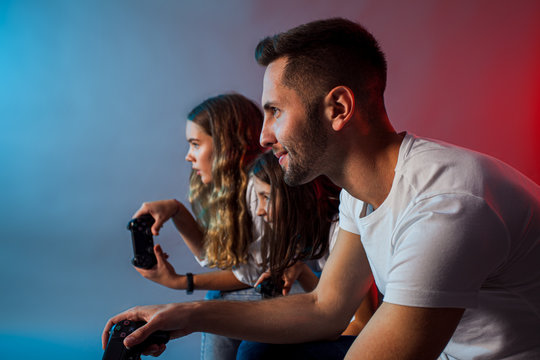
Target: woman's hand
(163, 272)
(184, 222)
(161, 211)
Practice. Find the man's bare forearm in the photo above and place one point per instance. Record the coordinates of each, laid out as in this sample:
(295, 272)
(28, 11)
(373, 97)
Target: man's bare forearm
(290, 319)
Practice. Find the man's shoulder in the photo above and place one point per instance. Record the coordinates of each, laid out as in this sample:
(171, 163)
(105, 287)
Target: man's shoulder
(432, 166)
(421, 152)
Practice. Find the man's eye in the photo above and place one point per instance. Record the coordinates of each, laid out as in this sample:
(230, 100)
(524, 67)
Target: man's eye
(275, 111)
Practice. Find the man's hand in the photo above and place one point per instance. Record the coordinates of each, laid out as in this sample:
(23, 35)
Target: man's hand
(170, 317)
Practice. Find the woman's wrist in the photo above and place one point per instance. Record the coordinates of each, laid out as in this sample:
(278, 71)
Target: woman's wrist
(178, 207)
(307, 279)
(180, 216)
(185, 282)
(180, 283)
(304, 270)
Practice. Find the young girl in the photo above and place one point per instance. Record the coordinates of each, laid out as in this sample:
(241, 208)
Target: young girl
(223, 134)
(303, 222)
(304, 226)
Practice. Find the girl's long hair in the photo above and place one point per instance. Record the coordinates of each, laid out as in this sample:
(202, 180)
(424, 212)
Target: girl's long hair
(234, 123)
(301, 217)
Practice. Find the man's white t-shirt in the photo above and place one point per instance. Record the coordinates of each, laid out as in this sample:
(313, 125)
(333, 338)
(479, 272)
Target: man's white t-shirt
(458, 229)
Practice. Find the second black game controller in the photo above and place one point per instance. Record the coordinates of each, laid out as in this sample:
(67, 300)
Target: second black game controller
(116, 350)
(269, 289)
(143, 242)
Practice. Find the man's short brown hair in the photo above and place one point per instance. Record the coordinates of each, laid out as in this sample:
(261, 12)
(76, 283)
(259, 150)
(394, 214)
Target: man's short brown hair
(327, 53)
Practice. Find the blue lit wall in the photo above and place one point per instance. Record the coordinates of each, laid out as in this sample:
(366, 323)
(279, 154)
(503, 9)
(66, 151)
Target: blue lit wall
(93, 96)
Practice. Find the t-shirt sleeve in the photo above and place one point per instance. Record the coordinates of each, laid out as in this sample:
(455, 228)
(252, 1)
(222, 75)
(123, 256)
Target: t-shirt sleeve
(318, 264)
(249, 273)
(347, 205)
(445, 248)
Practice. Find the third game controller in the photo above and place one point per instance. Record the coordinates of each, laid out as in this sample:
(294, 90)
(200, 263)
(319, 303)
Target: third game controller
(268, 289)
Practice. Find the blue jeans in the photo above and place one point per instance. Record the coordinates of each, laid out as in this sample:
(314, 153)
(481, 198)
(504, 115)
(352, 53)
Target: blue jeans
(217, 347)
(316, 350)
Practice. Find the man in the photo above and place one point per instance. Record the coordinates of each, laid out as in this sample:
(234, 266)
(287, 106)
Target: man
(453, 237)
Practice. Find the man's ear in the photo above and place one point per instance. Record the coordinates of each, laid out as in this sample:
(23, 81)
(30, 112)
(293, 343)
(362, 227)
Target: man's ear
(339, 106)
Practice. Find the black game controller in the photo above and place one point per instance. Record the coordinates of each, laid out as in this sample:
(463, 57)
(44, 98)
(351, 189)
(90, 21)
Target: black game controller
(269, 289)
(143, 242)
(116, 350)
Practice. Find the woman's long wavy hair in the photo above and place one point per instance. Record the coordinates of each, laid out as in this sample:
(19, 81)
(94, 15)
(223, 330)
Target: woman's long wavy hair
(301, 217)
(234, 123)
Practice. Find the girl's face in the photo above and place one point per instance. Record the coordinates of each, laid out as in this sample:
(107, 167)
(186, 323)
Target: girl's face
(200, 152)
(263, 190)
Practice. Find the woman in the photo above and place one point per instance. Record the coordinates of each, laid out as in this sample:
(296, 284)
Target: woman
(222, 133)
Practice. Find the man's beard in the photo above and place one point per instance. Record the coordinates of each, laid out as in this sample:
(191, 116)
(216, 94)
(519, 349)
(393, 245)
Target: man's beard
(309, 148)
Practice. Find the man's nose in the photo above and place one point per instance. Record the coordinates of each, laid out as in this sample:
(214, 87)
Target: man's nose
(268, 137)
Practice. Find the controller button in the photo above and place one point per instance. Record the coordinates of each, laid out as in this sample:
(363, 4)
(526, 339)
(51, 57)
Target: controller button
(123, 335)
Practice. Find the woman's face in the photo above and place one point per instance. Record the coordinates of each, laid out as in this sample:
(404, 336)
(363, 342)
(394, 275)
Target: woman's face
(200, 152)
(263, 191)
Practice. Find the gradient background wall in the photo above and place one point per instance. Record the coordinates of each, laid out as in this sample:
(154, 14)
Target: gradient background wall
(93, 98)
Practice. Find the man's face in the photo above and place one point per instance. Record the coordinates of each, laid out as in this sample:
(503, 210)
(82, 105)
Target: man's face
(296, 134)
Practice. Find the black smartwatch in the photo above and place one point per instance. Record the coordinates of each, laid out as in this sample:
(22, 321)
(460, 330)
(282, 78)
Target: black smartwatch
(190, 285)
